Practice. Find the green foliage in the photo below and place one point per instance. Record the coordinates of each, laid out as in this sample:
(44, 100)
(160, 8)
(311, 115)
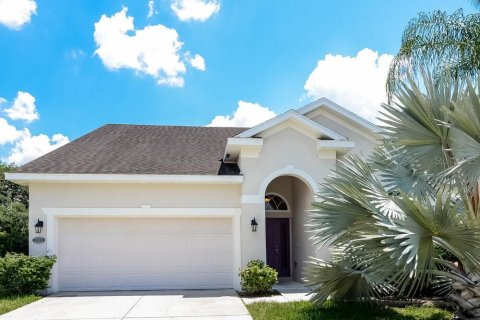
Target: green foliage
(21, 274)
(448, 44)
(304, 310)
(395, 221)
(258, 278)
(13, 214)
(9, 191)
(13, 228)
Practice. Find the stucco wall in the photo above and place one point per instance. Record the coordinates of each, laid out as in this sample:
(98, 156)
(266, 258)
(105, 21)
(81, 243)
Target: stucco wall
(287, 150)
(91, 195)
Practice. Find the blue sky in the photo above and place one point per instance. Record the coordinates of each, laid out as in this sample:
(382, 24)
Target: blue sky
(270, 56)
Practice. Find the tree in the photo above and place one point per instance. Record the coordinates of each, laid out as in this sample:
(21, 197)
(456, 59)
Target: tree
(9, 191)
(408, 217)
(13, 214)
(449, 44)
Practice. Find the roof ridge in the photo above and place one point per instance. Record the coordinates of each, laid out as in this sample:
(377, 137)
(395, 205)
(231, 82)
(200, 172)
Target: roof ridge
(166, 126)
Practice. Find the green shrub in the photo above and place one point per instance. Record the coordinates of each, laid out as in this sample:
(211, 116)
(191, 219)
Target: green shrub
(13, 228)
(258, 278)
(21, 274)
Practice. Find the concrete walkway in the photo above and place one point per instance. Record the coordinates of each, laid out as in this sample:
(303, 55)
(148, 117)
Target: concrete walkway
(289, 291)
(136, 305)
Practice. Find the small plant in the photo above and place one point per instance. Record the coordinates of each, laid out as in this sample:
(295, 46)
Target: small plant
(21, 274)
(258, 278)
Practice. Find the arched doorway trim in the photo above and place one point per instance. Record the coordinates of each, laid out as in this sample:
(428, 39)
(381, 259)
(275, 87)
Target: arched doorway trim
(288, 171)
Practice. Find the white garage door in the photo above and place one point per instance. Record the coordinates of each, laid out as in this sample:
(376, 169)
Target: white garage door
(142, 254)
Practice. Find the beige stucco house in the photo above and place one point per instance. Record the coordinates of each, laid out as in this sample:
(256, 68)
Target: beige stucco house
(130, 207)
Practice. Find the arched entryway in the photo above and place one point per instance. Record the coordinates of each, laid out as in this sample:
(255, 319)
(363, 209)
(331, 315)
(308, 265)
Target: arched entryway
(287, 199)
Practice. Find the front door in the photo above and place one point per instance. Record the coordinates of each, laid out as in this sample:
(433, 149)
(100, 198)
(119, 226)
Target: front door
(278, 245)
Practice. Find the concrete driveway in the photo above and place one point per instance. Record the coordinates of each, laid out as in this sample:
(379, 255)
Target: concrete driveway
(135, 305)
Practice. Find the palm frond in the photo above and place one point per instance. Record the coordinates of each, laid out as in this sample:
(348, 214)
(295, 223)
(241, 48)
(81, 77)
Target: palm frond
(450, 44)
(399, 174)
(414, 125)
(342, 280)
(348, 200)
(411, 242)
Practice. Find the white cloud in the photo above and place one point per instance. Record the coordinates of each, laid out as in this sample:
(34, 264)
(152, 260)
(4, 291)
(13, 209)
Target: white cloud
(15, 13)
(197, 62)
(151, 8)
(9, 133)
(26, 146)
(357, 83)
(154, 50)
(247, 115)
(23, 107)
(31, 147)
(199, 10)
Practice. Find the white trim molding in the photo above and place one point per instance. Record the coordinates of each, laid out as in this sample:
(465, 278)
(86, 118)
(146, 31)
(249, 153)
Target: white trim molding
(291, 115)
(242, 147)
(289, 170)
(349, 124)
(324, 102)
(144, 211)
(335, 145)
(26, 178)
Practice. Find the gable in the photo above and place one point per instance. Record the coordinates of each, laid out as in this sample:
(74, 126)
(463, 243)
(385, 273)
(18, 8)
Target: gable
(291, 119)
(338, 114)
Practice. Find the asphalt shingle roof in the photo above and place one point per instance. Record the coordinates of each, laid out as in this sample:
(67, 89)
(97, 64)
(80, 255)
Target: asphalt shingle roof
(141, 149)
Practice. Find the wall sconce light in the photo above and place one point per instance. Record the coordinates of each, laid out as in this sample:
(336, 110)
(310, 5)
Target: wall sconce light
(254, 225)
(39, 226)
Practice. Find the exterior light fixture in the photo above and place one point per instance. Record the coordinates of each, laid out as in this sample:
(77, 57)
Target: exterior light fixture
(39, 226)
(254, 225)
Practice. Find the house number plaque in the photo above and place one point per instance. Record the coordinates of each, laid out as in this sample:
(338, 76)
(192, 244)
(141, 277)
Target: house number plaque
(38, 240)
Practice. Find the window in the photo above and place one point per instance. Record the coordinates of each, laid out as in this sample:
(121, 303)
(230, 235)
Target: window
(275, 202)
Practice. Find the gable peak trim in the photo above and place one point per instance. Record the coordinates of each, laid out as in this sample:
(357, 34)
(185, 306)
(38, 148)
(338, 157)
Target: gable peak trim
(325, 102)
(289, 115)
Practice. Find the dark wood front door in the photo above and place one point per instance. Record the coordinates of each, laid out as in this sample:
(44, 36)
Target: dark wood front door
(278, 245)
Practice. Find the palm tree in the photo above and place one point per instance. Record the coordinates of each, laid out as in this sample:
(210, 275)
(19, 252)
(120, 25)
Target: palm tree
(407, 217)
(450, 44)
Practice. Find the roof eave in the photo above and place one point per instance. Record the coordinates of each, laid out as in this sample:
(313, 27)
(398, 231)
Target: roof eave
(27, 178)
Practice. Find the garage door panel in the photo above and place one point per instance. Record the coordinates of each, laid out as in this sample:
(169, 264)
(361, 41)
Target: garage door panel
(201, 262)
(161, 253)
(89, 244)
(71, 264)
(181, 242)
(220, 279)
(220, 262)
(70, 245)
(220, 243)
(69, 227)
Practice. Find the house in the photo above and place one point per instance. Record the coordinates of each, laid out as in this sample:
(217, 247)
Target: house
(130, 207)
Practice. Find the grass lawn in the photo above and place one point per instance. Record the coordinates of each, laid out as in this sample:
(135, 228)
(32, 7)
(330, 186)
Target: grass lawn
(306, 311)
(11, 303)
